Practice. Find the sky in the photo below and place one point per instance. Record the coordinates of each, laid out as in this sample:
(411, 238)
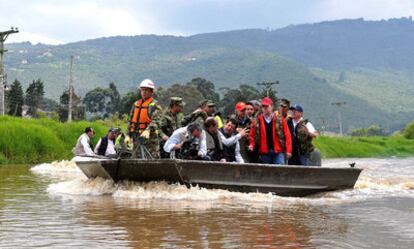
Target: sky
(64, 21)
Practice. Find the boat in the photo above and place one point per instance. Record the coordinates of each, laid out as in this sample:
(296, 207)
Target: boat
(286, 180)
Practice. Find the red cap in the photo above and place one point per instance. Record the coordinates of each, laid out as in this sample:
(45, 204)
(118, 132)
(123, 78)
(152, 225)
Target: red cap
(240, 106)
(267, 101)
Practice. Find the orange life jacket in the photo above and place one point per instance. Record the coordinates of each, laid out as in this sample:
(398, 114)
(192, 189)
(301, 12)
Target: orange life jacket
(140, 115)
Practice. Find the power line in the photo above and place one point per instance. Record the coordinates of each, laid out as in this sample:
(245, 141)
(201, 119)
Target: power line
(3, 37)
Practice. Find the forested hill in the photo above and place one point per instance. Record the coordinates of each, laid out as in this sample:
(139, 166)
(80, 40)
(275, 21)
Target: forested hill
(368, 64)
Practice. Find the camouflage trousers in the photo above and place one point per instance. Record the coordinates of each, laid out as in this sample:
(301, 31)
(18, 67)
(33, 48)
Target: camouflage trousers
(146, 148)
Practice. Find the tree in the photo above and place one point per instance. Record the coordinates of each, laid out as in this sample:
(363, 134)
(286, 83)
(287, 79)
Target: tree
(267, 91)
(15, 99)
(115, 99)
(206, 88)
(127, 101)
(78, 112)
(96, 101)
(245, 93)
(34, 96)
(190, 95)
(409, 131)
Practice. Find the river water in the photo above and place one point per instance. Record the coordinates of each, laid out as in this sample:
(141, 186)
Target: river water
(54, 205)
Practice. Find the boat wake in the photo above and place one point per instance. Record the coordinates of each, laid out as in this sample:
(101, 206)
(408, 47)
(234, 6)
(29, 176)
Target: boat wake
(377, 180)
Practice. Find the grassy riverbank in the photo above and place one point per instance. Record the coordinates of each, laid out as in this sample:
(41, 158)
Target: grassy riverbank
(40, 140)
(333, 147)
(43, 140)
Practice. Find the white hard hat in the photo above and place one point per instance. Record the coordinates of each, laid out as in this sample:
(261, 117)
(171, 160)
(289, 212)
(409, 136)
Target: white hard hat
(147, 83)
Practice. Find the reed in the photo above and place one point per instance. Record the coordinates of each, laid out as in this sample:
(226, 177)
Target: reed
(40, 140)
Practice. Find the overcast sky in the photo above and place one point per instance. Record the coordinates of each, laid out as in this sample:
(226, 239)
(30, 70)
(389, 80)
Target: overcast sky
(62, 21)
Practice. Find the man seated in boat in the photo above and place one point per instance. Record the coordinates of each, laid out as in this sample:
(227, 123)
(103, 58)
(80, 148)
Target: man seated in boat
(106, 144)
(232, 148)
(84, 144)
(187, 142)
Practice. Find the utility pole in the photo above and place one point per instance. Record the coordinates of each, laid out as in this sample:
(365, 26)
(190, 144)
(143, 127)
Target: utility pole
(339, 105)
(267, 85)
(3, 37)
(70, 90)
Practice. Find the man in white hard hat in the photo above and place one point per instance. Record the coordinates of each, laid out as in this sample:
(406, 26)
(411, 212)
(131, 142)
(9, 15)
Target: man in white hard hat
(143, 123)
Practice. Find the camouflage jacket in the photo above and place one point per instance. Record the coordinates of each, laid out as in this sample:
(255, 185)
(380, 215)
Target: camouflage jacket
(169, 123)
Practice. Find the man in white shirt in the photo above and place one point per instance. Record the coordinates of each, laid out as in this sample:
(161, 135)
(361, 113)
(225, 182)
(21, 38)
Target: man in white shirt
(302, 132)
(182, 137)
(106, 145)
(83, 145)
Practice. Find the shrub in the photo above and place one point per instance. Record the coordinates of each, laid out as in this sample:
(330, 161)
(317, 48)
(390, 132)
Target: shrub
(409, 131)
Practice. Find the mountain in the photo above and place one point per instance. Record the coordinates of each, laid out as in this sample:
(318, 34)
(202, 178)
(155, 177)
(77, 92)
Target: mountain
(367, 64)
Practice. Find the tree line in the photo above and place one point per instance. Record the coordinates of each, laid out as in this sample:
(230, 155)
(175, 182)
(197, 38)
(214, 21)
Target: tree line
(100, 103)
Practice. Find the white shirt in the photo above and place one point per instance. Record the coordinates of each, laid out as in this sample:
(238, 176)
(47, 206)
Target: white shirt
(230, 141)
(179, 136)
(309, 125)
(84, 140)
(110, 149)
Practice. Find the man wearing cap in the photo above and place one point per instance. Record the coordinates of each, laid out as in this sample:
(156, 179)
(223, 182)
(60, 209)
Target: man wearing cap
(302, 132)
(243, 122)
(271, 134)
(144, 121)
(106, 144)
(205, 109)
(171, 119)
(283, 108)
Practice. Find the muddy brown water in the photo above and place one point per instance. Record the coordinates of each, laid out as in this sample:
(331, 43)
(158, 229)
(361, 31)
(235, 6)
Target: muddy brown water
(55, 206)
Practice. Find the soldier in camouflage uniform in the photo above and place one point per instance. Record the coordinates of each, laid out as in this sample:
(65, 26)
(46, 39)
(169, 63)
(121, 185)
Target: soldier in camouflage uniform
(170, 121)
(144, 122)
(205, 109)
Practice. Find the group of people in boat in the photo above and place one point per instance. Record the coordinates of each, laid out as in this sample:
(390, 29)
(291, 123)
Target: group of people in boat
(257, 132)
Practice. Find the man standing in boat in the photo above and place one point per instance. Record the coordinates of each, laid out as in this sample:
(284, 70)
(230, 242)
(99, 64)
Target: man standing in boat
(144, 123)
(271, 134)
(302, 132)
(171, 120)
(205, 109)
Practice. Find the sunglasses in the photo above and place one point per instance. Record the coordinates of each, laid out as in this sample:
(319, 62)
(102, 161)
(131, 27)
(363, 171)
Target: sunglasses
(265, 106)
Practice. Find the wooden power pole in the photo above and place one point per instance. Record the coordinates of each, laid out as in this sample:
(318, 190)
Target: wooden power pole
(3, 37)
(267, 85)
(70, 90)
(339, 104)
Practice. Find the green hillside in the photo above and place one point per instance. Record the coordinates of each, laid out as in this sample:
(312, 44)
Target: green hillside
(376, 58)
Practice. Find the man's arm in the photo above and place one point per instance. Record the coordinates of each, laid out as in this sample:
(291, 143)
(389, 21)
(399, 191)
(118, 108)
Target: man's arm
(311, 129)
(231, 140)
(97, 146)
(239, 158)
(203, 145)
(86, 147)
(172, 141)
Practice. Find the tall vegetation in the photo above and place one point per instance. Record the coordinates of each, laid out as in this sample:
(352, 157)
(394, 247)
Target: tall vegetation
(34, 96)
(15, 99)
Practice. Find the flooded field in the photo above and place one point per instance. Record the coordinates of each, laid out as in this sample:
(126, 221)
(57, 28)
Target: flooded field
(54, 205)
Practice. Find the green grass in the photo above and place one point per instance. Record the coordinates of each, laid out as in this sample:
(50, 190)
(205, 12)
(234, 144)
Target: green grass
(40, 140)
(333, 147)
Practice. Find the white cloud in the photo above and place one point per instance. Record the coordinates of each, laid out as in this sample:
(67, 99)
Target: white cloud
(368, 9)
(23, 36)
